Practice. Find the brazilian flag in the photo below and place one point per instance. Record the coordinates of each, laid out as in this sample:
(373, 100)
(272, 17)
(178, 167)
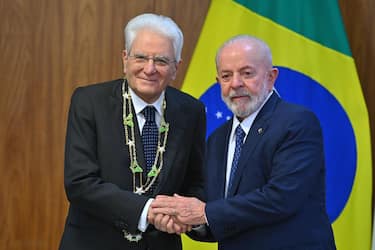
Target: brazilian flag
(317, 70)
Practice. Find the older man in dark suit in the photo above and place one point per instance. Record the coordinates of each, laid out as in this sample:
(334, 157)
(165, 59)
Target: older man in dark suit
(265, 167)
(129, 140)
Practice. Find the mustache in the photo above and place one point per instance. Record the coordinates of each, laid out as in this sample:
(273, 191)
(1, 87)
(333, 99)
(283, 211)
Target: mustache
(237, 93)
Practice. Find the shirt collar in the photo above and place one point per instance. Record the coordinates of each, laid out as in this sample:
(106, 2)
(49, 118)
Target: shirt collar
(139, 104)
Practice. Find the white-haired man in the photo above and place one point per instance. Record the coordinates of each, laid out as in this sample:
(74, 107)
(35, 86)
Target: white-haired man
(129, 140)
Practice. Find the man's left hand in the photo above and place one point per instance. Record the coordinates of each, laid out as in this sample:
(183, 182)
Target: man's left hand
(187, 210)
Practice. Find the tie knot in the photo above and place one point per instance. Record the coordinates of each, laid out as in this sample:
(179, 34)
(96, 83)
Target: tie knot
(149, 113)
(240, 134)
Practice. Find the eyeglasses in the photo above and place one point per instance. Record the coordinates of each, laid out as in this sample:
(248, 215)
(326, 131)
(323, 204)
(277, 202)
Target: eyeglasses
(161, 61)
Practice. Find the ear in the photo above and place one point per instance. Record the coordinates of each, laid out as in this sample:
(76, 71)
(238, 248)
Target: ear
(176, 65)
(274, 72)
(124, 60)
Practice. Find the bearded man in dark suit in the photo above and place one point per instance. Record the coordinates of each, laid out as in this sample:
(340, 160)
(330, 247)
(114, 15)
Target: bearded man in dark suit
(264, 168)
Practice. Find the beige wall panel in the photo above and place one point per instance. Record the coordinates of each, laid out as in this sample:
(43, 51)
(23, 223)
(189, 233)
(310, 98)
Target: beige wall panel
(49, 47)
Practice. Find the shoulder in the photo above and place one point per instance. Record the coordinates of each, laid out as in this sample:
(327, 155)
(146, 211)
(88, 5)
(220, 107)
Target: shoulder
(98, 88)
(90, 96)
(293, 120)
(97, 93)
(291, 112)
(186, 101)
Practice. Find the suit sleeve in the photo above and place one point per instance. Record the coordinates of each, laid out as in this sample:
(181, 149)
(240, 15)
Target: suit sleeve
(295, 158)
(84, 186)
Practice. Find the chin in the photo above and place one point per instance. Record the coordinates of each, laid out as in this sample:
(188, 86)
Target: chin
(148, 87)
(244, 109)
(151, 94)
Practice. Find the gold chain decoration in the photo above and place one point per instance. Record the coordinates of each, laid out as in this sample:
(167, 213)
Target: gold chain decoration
(137, 170)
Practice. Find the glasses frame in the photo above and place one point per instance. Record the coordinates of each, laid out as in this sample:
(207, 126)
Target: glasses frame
(160, 61)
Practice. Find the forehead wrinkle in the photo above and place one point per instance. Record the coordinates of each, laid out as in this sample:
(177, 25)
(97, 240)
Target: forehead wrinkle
(242, 68)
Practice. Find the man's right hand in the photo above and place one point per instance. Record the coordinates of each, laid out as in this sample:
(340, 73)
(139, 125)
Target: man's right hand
(166, 223)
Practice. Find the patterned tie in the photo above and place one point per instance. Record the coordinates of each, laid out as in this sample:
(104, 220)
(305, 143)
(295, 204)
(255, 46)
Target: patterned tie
(240, 135)
(149, 139)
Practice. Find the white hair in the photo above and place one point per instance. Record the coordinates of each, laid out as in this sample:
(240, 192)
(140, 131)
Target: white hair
(157, 23)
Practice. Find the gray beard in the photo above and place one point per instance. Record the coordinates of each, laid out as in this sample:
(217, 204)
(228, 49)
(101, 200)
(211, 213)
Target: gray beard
(244, 110)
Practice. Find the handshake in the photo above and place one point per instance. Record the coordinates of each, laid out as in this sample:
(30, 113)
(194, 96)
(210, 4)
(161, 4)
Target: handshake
(176, 214)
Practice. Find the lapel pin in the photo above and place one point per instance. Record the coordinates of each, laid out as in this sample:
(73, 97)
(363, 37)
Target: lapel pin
(260, 130)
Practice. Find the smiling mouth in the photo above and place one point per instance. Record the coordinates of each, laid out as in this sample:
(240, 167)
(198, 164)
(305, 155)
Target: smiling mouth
(148, 80)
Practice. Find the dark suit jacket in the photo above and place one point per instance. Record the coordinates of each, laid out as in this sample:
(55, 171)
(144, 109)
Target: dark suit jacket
(277, 200)
(98, 180)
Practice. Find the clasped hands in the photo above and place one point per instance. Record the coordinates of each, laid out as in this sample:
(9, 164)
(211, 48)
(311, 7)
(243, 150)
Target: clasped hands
(176, 214)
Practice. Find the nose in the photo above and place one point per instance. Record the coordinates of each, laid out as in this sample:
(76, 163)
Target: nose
(149, 66)
(236, 81)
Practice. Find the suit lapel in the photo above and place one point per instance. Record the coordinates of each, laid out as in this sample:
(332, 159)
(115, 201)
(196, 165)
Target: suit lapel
(222, 163)
(116, 102)
(257, 131)
(116, 110)
(176, 130)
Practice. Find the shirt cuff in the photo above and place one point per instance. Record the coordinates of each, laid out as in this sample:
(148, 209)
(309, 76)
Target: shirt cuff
(142, 223)
(205, 218)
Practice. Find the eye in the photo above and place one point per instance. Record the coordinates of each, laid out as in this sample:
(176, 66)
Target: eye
(139, 58)
(161, 61)
(226, 77)
(247, 74)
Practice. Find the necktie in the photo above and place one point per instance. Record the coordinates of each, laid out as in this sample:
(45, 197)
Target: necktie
(240, 135)
(149, 139)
